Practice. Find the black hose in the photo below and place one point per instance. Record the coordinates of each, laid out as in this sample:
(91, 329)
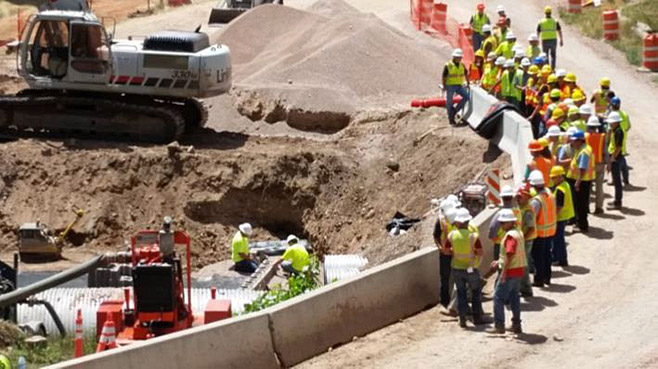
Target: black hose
(51, 310)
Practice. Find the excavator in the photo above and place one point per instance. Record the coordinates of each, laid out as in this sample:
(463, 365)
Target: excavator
(84, 82)
(36, 242)
(227, 10)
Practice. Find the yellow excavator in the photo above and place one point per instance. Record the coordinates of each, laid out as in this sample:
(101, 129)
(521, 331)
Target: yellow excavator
(37, 242)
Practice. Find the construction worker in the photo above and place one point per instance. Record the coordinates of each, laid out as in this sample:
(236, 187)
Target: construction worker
(576, 117)
(511, 265)
(518, 83)
(561, 74)
(442, 228)
(553, 135)
(507, 195)
(525, 68)
(295, 258)
(617, 158)
(565, 212)
(543, 205)
(466, 250)
(570, 85)
(499, 69)
(533, 49)
(531, 90)
(506, 48)
(599, 97)
(578, 98)
(476, 69)
(625, 124)
(595, 138)
(503, 15)
(529, 230)
(548, 31)
(558, 115)
(580, 175)
(552, 99)
(507, 90)
(490, 42)
(490, 72)
(538, 162)
(240, 250)
(478, 20)
(455, 81)
(584, 112)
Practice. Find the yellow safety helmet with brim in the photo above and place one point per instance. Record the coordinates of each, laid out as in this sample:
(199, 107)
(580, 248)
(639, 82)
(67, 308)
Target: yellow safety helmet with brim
(552, 79)
(604, 82)
(557, 171)
(533, 70)
(570, 77)
(555, 93)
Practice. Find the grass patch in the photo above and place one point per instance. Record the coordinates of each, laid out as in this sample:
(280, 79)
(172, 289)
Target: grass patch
(645, 11)
(53, 351)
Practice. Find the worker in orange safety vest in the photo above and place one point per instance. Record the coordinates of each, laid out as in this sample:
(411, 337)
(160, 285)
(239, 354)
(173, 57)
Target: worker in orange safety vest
(543, 205)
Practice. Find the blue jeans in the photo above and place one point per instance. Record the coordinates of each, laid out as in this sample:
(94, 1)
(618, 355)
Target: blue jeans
(541, 254)
(617, 168)
(477, 41)
(451, 90)
(507, 293)
(559, 250)
(246, 266)
(526, 288)
(462, 279)
(624, 171)
(550, 48)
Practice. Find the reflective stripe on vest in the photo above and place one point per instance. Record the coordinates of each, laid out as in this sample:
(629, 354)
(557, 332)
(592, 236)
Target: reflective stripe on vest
(525, 209)
(456, 74)
(518, 259)
(574, 171)
(596, 141)
(479, 21)
(567, 212)
(548, 28)
(547, 216)
(463, 249)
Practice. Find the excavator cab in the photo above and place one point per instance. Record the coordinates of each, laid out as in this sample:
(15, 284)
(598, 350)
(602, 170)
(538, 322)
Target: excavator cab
(65, 47)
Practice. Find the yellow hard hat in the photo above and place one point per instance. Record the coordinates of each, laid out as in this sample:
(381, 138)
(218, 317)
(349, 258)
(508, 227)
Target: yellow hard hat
(573, 110)
(543, 142)
(546, 70)
(557, 113)
(552, 79)
(577, 95)
(570, 77)
(556, 93)
(480, 53)
(5, 363)
(548, 10)
(557, 171)
(605, 82)
(533, 70)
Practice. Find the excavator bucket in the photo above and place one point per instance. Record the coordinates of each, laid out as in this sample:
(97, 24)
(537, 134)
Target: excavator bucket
(224, 16)
(227, 10)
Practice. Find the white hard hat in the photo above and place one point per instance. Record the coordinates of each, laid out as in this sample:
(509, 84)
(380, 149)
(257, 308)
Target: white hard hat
(536, 178)
(510, 36)
(446, 204)
(486, 28)
(506, 215)
(491, 56)
(292, 239)
(509, 63)
(450, 215)
(593, 121)
(519, 54)
(463, 215)
(585, 109)
(458, 53)
(568, 102)
(533, 37)
(560, 73)
(571, 130)
(246, 229)
(543, 55)
(554, 131)
(614, 117)
(500, 61)
(500, 8)
(454, 199)
(525, 62)
(507, 191)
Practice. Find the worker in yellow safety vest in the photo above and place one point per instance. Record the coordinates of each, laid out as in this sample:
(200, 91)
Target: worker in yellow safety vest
(490, 42)
(533, 50)
(571, 86)
(578, 97)
(507, 195)
(565, 211)
(617, 157)
(506, 83)
(443, 227)
(502, 28)
(529, 230)
(478, 20)
(576, 117)
(600, 97)
(506, 48)
(240, 250)
(295, 259)
(543, 205)
(489, 73)
(548, 31)
(511, 266)
(466, 250)
(625, 125)
(455, 81)
(595, 138)
(580, 175)
(553, 135)
(531, 90)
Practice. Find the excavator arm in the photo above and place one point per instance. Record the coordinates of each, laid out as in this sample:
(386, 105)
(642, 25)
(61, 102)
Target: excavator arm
(79, 213)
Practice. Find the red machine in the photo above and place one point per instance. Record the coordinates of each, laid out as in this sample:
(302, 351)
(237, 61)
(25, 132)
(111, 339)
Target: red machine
(159, 293)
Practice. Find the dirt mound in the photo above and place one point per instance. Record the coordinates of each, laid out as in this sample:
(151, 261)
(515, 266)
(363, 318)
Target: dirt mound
(331, 58)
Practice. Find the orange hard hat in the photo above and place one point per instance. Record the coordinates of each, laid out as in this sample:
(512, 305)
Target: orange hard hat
(480, 6)
(535, 146)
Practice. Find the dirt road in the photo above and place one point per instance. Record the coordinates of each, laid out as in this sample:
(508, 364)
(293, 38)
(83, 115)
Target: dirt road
(601, 311)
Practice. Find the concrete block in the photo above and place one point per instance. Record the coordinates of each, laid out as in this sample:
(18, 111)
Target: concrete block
(308, 325)
(482, 221)
(478, 106)
(242, 342)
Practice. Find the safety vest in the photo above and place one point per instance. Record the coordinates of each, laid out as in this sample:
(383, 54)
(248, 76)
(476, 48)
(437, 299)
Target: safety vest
(456, 74)
(506, 85)
(239, 244)
(517, 81)
(531, 92)
(612, 146)
(501, 232)
(479, 21)
(474, 74)
(580, 124)
(567, 212)
(463, 249)
(546, 103)
(543, 165)
(518, 259)
(502, 35)
(547, 215)
(298, 255)
(524, 210)
(548, 29)
(554, 147)
(499, 75)
(489, 77)
(565, 125)
(506, 49)
(596, 141)
(532, 52)
(600, 102)
(625, 125)
(574, 171)
(445, 230)
(490, 44)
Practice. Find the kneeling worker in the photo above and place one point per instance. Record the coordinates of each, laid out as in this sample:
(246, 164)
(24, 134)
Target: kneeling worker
(240, 250)
(295, 259)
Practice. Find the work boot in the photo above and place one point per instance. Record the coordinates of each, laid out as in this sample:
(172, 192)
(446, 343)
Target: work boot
(516, 328)
(526, 293)
(480, 320)
(462, 321)
(598, 211)
(448, 312)
(498, 329)
(614, 206)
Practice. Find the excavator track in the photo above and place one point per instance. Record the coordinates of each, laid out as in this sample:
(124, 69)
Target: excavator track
(97, 116)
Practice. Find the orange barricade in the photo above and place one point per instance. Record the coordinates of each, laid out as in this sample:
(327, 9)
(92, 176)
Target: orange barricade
(466, 44)
(610, 25)
(439, 17)
(650, 52)
(574, 6)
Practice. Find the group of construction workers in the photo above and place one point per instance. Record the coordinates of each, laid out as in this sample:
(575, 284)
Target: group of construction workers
(295, 259)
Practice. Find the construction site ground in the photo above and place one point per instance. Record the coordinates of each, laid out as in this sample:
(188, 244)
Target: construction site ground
(259, 161)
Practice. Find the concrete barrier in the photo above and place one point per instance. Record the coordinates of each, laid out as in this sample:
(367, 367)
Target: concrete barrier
(308, 325)
(242, 342)
(478, 106)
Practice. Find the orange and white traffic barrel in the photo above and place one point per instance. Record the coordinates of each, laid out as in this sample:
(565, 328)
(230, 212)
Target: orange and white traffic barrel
(650, 52)
(440, 17)
(574, 6)
(426, 12)
(610, 25)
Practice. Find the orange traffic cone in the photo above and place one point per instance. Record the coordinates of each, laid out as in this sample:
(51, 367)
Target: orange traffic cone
(107, 340)
(78, 352)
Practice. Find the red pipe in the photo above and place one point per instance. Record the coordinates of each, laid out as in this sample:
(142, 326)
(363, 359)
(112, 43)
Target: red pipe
(437, 101)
